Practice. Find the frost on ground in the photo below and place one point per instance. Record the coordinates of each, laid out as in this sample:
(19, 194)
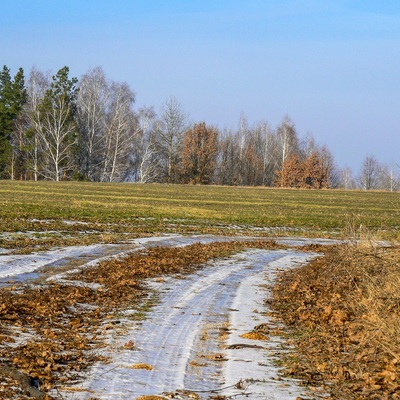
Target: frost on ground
(196, 340)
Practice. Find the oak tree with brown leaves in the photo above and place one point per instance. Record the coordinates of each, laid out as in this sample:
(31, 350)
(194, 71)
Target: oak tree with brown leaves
(199, 153)
(291, 173)
(315, 173)
(309, 174)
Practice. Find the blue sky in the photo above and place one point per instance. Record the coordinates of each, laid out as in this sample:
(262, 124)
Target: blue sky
(332, 66)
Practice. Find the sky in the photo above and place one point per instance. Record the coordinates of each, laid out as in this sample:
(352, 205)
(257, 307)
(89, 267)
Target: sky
(332, 66)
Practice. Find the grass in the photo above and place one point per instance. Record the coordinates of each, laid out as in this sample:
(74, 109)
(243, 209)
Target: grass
(107, 212)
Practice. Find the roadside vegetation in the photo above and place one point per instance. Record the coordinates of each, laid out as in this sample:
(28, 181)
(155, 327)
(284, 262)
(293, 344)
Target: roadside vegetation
(343, 313)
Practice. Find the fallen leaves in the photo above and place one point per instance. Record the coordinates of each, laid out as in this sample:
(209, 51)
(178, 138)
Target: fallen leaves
(343, 334)
(64, 323)
(147, 367)
(254, 336)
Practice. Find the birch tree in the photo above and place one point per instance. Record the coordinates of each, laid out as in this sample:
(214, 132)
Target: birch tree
(56, 129)
(37, 85)
(92, 107)
(146, 152)
(287, 139)
(119, 133)
(267, 145)
(346, 179)
(171, 127)
(369, 174)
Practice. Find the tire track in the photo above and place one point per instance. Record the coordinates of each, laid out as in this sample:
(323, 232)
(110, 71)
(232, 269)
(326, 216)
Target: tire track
(181, 335)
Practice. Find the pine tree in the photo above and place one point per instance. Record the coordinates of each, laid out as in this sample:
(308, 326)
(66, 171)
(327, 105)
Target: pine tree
(12, 99)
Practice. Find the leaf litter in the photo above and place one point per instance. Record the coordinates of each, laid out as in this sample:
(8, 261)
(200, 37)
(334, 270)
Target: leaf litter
(343, 311)
(66, 324)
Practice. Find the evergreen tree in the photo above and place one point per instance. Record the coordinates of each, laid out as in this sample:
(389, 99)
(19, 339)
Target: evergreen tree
(12, 99)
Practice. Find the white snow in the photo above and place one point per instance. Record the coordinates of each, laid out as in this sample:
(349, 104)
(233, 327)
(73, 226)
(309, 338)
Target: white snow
(11, 265)
(19, 264)
(180, 337)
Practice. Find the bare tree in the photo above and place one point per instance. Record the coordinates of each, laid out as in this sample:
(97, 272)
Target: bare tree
(170, 129)
(328, 162)
(147, 168)
(242, 139)
(119, 133)
(369, 174)
(308, 145)
(228, 160)
(92, 107)
(56, 127)
(288, 141)
(346, 179)
(389, 178)
(38, 83)
(267, 145)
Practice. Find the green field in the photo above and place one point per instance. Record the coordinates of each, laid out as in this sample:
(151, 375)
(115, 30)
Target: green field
(110, 210)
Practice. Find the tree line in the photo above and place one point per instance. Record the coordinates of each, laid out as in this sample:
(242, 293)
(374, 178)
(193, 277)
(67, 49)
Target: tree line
(61, 128)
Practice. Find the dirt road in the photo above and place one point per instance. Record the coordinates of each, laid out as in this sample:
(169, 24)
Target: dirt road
(191, 343)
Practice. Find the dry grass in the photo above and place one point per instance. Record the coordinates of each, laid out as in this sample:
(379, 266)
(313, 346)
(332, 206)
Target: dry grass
(378, 300)
(344, 311)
